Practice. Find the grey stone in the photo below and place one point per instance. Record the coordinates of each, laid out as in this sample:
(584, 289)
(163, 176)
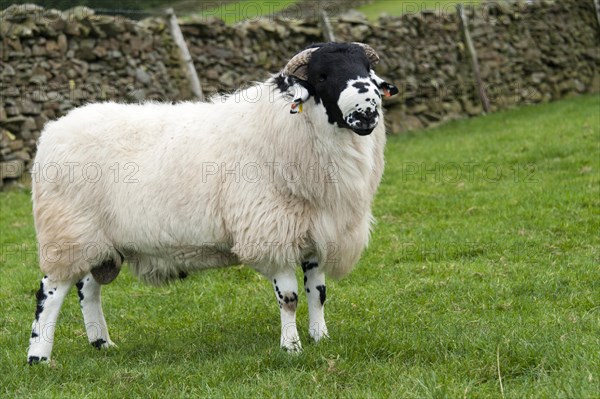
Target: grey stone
(15, 145)
(538, 77)
(7, 70)
(228, 79)
(30, 108)
(62, 43)
(22, 155)
(353, 16)
(137, 95)
(79, 13)
(11, 111)
(38, 79)
(142, 76)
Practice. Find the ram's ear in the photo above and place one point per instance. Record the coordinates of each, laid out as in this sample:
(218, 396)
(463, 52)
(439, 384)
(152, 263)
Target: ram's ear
(299, 92)
(388, 89)
(294, 90)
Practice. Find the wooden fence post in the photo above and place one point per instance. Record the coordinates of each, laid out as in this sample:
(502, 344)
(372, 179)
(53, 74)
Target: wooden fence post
(326, 26)
(464, 25)
(185, 54)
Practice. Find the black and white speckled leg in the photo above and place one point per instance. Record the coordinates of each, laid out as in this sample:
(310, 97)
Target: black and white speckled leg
(50, 298)
(286, 291)
(316, 293)
(88, 291)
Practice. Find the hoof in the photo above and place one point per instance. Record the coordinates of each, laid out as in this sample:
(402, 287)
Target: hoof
(31, 360)
(293, 347)
(318, 334)
(102, 344)
(319, 338)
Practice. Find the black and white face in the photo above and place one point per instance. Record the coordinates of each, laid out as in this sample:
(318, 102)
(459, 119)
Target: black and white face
(339, 76)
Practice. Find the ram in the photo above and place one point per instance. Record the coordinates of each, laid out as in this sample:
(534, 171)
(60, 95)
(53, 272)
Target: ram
(277, 175)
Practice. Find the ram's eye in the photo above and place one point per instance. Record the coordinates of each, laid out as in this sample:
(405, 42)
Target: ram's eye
(322, 77)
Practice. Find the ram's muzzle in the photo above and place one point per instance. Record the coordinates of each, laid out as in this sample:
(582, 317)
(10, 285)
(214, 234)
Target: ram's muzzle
(362, 123)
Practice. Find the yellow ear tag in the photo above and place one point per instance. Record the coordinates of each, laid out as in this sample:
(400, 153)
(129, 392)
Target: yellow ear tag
(296, 108)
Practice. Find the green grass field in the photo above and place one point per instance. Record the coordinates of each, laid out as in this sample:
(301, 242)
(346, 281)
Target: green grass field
(398, 7)
(482, 280)
(237, 11)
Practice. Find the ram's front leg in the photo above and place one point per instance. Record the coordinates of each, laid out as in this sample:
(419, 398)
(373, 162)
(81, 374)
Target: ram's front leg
(316, 293)
(88, 291)
(286, 290)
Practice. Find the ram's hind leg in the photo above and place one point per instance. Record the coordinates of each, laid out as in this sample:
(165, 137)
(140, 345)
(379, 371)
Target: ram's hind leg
(316, 293)
(88, 290)
(50, 298)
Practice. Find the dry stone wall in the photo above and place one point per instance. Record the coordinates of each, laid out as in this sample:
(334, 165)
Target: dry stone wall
(537, 52)
(528, 53)
(52, 61)
(227, 57)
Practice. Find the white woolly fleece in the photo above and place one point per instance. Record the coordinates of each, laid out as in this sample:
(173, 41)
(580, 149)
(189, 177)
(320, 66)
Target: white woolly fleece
(196, 185)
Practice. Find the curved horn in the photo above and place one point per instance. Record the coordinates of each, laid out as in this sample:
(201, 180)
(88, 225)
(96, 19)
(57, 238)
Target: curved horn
(298, 65)
(371, 53)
